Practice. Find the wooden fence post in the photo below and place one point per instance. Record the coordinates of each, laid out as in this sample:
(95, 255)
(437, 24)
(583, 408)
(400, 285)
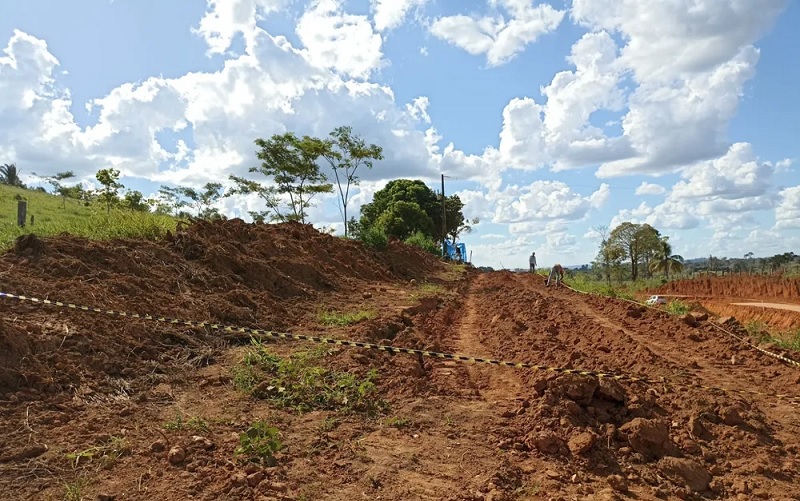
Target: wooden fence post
(22, 212)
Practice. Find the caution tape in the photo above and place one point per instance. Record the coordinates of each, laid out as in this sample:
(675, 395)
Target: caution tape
(394, 349)
(778, 356)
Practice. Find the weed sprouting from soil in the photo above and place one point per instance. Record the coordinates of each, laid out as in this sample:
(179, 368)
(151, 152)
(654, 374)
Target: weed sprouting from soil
(678, 307)
(107, 453)
(73, 491)
(342, 319)
(398, 422)
(194, 423)
(259, 443)
(297, 382)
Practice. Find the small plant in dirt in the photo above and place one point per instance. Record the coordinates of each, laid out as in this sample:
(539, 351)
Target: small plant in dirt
(342, 319)
(329, 424)
(107, 454)
(297, 382)
(259, 443)
(73, 491)
(398, 422)
(678, 307)
(194, 423)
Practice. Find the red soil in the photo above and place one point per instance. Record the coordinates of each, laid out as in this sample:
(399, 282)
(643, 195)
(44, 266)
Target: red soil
(71, 380)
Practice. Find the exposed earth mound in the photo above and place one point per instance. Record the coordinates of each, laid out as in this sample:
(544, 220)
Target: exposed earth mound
(98, 407)
(253, 275)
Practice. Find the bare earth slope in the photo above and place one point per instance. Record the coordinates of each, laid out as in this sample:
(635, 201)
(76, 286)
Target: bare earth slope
(77, 382)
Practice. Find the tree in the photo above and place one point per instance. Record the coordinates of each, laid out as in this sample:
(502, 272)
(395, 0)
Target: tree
(346, 153)
(457, 224)
(10, 175)
(605, 255)
(202, 201)
(170, 201)
(292, 164)
(135, 201)
(109, 179)
(633, 242)
(404, 219)
(650, 242)
(427, 217)
(665, 261)
(58, 186)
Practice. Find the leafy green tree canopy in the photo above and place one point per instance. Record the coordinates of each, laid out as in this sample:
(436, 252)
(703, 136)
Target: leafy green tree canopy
(407, 206)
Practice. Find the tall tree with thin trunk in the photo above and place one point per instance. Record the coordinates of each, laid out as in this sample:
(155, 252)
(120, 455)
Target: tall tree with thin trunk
(345, 153)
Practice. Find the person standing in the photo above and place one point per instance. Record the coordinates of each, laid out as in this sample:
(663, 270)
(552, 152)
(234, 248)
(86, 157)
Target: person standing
(556, 272)
(532, 262)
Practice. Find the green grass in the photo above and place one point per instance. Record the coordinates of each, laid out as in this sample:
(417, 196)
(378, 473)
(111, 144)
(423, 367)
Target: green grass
(788, 340)
(297, 382)
(342, 319)
(625, 290)
(75, 218)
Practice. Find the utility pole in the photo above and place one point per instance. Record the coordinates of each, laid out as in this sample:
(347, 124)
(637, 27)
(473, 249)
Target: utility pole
(444, 221)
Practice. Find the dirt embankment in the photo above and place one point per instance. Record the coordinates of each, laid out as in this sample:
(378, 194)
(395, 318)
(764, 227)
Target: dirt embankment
(734, 287)
(718, 295)
(229, 272)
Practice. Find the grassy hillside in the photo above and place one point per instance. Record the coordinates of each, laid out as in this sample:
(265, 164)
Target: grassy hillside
(75, 218)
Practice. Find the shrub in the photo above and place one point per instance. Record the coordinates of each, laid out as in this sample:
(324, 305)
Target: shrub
(374, 237)
(425, 243)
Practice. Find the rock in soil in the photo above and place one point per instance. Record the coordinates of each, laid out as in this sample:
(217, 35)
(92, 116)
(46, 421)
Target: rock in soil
(618, 483)
(581, 443)
(176, 455)
(684, 471)
(646, 436)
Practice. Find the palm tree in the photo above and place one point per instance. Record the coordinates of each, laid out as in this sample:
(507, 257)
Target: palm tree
(665, 260)
(10, 175)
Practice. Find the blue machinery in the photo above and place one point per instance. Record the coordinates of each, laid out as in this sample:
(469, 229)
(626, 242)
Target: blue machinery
(453, 255)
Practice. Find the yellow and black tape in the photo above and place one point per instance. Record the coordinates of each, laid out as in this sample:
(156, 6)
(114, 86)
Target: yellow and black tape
(394, 349)
(778, 356)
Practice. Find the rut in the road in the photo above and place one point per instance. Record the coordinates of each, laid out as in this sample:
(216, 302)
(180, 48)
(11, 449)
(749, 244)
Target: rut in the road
(497, 383)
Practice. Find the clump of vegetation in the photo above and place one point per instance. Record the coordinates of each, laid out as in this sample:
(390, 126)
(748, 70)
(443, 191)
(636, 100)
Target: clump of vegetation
(425, 243)
(342, 319)
(789, 339)
(299, 383)
(678, 307)
(374, 237)
(259, 443)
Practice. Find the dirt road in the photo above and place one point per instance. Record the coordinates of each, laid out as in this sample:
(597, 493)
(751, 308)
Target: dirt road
(448, 430)
(777, 306)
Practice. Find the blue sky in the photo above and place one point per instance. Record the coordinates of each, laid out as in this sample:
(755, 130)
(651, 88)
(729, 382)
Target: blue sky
(707, 103)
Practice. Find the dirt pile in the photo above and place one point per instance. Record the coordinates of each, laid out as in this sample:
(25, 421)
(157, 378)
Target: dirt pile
(255, 275)
(673, 441)
(737, 286)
